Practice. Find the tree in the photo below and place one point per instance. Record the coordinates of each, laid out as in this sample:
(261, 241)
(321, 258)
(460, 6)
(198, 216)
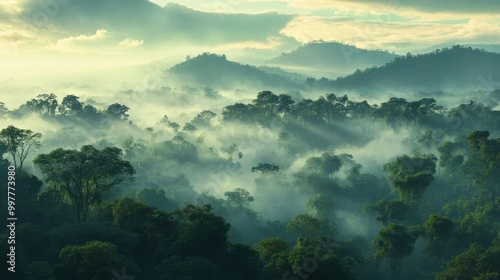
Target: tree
(117, 111)
(321, 206)
(438, 227)
(242, 263)
(390, 211)
(202, 233)
(483, 165)
(188, 268)
(70, 106)
(326, 165)
(474, 263)
(265, 168)
(239, 197)
(394, 243)
(233, 149)
(266, 100)
(84, 176)
(273, 252)
(438, 231)
(411, 176)
(94, 260)
(188, 127)
(130, 214)
(204, 119)
(237, 112)
(155, 198)
(45, 104)
(310, 227)
(20, 142)
(285, 103)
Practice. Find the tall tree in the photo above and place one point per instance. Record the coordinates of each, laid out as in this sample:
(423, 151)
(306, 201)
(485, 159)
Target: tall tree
(394, 243)
(411, 176)
(70, 106)
(20, 142)
(204, 119)
(45, 104)
(239, 197)
(117, 111)
(84, 176)
(94, 260)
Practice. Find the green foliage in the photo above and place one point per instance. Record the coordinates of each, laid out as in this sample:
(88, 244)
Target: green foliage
(189, 268)
(429, 72)
(326, 165)
(483, 164)
(84, 176)
(474, 263)
(310, 227)
(273, 252)
(44, 104)
(117, 111)
(92, 261)
(411, 176)
(70, 106)
(233, 149)
(242, 262)
(20, 143)
(390, 211)
(204, 119)
(393, 243)
(437, 227)
(40, 270)
(155, 198)
(202, 233)
(79, 234)
(320, 258)
(265, 168)
(321, 206)
(179, 149)
(130, 215)
(239, 197)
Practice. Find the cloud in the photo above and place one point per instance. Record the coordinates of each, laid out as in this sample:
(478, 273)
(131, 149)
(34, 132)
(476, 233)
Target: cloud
(82, 42)
(428, 6)
(157, 25)
(140, 25)
(131, 43)
(391, 35)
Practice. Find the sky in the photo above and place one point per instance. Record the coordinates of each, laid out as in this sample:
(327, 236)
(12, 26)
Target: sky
(70, 35)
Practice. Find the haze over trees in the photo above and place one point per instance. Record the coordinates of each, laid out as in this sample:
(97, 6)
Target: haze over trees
(317, 184)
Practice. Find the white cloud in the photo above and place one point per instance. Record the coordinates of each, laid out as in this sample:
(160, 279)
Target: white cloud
(428, 6)
(99, 35)
(82, 42)
(131, 43)
(390, 35)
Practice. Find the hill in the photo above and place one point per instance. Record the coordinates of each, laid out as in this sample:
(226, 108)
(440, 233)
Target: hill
(331, 58)
(215, 70)
(457, 68)
(487, 47)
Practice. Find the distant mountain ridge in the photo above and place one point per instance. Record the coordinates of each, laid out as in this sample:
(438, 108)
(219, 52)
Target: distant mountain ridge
(215, 70)
(456, 68)
(487, 47)
(332, 55)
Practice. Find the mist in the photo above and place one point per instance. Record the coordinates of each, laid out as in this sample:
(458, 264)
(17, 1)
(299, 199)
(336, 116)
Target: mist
(219, 143)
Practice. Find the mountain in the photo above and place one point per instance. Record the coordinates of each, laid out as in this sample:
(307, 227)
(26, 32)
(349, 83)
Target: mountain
(457, 68)
(330, 59)
(487, 47)
(215, 70)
